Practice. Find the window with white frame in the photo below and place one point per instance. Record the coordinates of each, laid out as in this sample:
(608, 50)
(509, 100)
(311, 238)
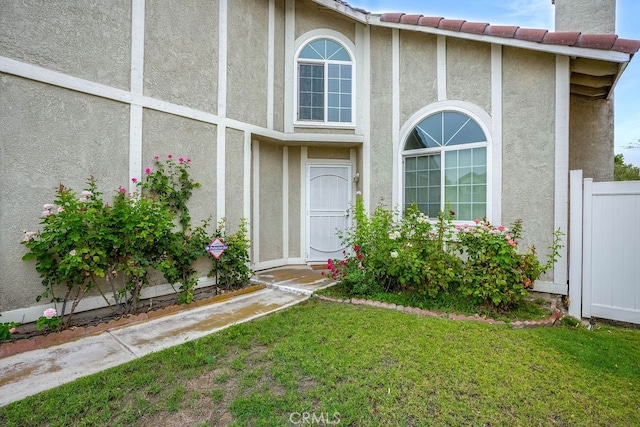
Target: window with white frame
(445, 166)
(325, 83)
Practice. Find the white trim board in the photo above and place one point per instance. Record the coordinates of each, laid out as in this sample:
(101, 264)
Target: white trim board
(561, 197)
(496, 133)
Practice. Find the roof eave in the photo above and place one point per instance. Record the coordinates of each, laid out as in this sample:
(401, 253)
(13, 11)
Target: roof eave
(599, 54)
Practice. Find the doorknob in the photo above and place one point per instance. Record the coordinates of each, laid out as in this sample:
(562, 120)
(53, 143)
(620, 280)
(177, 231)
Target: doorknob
(347, 212)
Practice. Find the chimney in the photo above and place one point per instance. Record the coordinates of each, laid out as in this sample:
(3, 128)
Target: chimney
(586, 16)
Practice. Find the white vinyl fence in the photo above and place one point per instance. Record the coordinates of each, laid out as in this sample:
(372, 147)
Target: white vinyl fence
(604, 276)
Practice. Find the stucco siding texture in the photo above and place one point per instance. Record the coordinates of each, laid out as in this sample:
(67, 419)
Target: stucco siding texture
(247, 61)
(86, 39)
(50, 136)
(234, 182)
(586, 16)
(418, 72)
(181, 53)
(381, 142)
(279, 63)
(591, 137)
(270, 199)
(165, 134)
(469, 72)
(311, 16)
(296, 205)
(528, 144)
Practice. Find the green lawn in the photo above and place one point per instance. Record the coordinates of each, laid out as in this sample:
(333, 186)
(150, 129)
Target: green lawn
(361, 366)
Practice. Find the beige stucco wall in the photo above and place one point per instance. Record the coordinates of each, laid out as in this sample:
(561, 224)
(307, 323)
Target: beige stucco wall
(528, 144)
(92, 43)
(591, 137)
(50, 136)
(381, 112)
(165, 134)
(234, 180)
(181, 53)
(270, 199)
(296, 205)
(279, 66)
(311, 16)
(586, 16)
(418, 72)
(469, 72)
(247, 61)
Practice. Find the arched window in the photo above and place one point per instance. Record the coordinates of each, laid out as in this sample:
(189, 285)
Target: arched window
(325, 83)
(445, 166)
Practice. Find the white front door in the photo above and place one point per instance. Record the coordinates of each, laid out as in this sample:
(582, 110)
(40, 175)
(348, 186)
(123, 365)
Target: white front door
(328, 210)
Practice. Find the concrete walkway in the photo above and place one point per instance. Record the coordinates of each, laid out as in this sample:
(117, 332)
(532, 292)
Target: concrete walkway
(28, 373)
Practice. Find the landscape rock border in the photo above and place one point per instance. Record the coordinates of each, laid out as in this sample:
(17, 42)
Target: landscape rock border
(519, 324)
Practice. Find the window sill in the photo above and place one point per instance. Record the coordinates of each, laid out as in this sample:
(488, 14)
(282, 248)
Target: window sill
(324, 125)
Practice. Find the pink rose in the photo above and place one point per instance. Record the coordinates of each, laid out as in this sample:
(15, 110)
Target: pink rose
(147, 171)
(72, 252)
(134, 180)
(46, 213)
(49, 313)
(155, 157)
(12, 330)
(188, 160)
(511, 242)
(121, 190)
(86, 193)
(48, 206)
(181, 159)
(169, 156)
(60, 209)
(477, 221)
(501, 227)
(82, 199)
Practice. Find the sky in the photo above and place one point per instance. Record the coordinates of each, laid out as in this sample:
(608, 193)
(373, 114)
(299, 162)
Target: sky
(539, 14)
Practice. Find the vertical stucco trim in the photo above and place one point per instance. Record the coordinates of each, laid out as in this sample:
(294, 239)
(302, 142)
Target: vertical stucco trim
(395, 111)
(285, 202)
(271, 62)
(304, 156)
(222, 111)
(246, 177)
(442, 68)
(137, 87)
(364, 40)
(255, 223)
(221, 171)
(289, 52)
(496, 133)
(222, 59)
(561, 199)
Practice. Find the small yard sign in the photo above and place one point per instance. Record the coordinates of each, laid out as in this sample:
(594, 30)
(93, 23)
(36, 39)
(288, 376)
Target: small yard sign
(216, 248)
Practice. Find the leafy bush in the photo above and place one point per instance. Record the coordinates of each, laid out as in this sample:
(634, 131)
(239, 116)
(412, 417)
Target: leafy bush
(494, 271)
(84, 239)
(232, 268)
(416, 255)
(409, 254)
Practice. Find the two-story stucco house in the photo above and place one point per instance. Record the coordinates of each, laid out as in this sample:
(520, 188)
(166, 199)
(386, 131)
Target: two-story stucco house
(290, 107)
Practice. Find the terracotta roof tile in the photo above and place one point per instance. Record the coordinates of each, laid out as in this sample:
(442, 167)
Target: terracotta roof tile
(474, 27)
(530, 34)
(391, 17)
(626, 46)
(501, 31)
(430, 21)
(590, 41)
(410, 19)
(451, 24)
(597, 41)
(565, 38)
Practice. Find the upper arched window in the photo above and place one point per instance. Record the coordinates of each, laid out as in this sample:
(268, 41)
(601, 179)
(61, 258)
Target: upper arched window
(445, 166)
(325, 83)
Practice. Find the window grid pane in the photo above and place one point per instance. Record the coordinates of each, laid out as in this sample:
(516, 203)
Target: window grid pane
(465, 183)
(339, 95)
(422, 183)
(311, 92)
